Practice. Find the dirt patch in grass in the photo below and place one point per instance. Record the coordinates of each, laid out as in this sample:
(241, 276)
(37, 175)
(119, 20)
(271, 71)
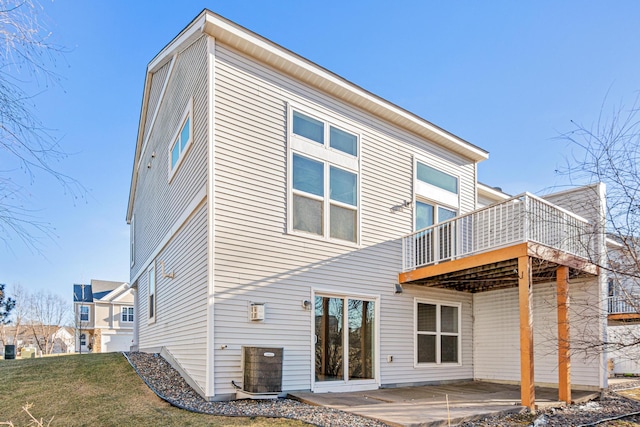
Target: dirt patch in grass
(96, 389)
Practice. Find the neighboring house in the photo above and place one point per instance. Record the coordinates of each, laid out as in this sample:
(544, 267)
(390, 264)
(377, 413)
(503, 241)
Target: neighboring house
(104, 316)
(275, 204)
(623, 292)
(62, 338)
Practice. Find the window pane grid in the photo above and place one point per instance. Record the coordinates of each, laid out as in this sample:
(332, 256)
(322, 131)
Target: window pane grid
(315, 178)
(437, 333)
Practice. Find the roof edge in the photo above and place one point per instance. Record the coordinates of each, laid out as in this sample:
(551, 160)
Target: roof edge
(288, 62)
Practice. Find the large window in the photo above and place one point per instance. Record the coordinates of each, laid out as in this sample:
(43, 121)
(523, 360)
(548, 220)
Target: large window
(127, 314)
(180, 142)
(437, 333)
(324, 179)
(151, 273)
(84, 313)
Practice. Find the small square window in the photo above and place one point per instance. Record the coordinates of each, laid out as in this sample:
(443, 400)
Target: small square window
(308, 127)
(343, 141)
(127, 314)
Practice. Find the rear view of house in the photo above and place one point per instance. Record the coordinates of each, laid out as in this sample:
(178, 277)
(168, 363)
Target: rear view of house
(104, 316)
(274, 204)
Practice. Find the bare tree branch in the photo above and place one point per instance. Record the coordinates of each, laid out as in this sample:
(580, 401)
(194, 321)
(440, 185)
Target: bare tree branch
(27, 60)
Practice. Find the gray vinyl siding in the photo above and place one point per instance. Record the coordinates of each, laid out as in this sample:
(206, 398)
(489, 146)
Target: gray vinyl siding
(256, 260)
(181, 319)
(158, 203)
(157, 83)
(497, 335)
(181, 310)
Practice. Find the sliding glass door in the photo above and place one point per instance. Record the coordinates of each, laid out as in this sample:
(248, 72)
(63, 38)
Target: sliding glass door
(345, 339)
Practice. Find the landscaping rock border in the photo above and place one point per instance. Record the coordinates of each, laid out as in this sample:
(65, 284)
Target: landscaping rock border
(167, 383)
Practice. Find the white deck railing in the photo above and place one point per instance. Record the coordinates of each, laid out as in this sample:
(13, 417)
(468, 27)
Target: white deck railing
(519, 219)
(623, 304)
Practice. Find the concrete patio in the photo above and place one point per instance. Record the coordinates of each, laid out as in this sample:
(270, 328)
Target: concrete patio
(427, 405)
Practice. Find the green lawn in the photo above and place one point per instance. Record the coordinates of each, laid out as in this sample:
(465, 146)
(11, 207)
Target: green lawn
(95, 390)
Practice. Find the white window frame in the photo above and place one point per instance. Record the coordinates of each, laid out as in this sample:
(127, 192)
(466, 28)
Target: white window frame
(126, 312)
(132, 241)
(438, 333)
(328, 156)
(436, 205)
(82, 339)
(188, 114)
(88, 312)
(152, 297)
(429, 192)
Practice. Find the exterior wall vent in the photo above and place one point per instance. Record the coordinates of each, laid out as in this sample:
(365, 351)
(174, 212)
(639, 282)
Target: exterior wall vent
(262, 370)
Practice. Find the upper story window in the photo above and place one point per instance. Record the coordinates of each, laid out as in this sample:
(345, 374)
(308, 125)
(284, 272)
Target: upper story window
(324, 184)
(315, 130)
(84, 313)
(436, 194)
(434, 184)
(181, 141)
(437, 178)
(127, 314)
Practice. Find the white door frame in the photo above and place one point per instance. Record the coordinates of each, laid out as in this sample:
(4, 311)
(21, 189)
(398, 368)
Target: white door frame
(345, 384)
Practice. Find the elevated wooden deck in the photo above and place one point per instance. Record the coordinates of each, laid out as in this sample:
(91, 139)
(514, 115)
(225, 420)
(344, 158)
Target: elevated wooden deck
(516, 243)
(498, 269)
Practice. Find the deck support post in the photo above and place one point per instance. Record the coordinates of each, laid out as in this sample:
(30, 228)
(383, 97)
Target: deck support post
(525, 294)
(564, 358)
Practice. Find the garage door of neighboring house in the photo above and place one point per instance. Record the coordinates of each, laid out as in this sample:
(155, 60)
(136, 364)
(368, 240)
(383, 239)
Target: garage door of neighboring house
(120, 342)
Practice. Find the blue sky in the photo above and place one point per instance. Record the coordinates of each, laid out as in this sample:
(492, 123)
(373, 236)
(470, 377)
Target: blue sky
(507, 76)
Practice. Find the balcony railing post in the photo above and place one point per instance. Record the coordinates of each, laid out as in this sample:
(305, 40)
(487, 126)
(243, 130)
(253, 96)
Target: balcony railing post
(527, 219)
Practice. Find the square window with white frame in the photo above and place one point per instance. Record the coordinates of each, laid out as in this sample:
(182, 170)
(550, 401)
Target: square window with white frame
(437, 328)
(127, 314)
(324, 179)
